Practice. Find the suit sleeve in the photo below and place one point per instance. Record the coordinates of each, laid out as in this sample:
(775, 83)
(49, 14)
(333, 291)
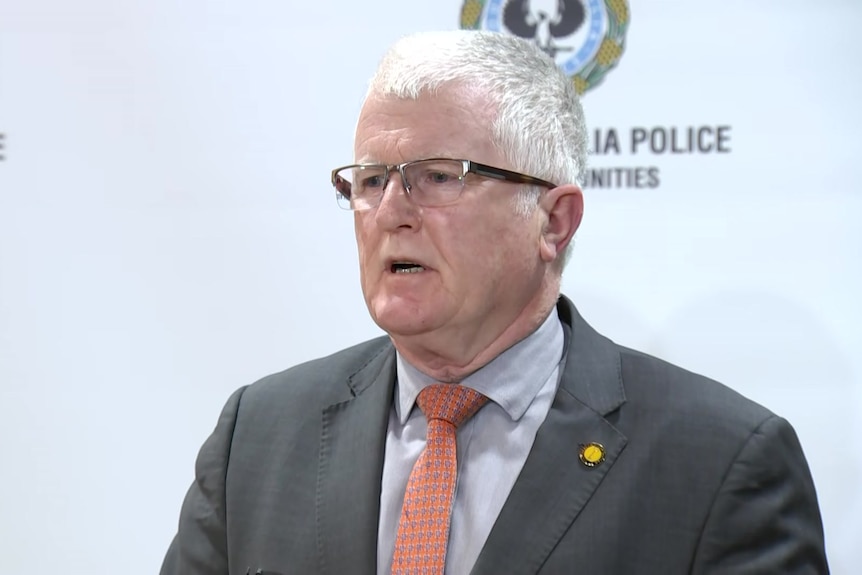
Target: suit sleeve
(765, 517)
(200, 545)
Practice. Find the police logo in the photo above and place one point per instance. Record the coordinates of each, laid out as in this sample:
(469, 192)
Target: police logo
(585, 37)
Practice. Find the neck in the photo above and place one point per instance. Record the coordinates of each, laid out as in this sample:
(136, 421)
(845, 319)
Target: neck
(451, 357)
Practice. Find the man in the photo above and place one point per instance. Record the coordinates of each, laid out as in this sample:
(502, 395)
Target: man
(585, 457)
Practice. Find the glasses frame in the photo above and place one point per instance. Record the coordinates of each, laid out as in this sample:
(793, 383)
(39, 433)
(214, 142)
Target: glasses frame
(469, 167)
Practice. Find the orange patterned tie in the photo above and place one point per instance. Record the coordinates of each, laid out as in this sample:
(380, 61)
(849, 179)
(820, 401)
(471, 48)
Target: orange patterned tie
(423, 530)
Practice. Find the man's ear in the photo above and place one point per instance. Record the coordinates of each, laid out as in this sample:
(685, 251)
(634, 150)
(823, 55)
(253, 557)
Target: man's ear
(563, 208)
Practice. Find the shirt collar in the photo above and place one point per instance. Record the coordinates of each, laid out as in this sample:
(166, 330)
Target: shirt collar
(511, 380)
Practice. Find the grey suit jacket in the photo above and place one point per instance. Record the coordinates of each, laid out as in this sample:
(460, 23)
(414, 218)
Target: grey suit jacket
(696, 478)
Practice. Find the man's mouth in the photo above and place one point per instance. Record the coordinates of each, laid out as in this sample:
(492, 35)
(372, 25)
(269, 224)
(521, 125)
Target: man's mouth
(405, 268)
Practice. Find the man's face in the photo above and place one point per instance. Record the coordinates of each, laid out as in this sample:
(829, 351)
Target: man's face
(480, 264)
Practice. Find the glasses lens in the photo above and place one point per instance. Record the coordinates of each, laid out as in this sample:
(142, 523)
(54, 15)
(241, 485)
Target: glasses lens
(342, 190)
(359, 187)
(435, 182)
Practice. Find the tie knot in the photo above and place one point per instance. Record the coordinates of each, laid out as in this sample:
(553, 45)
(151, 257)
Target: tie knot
(450, 402)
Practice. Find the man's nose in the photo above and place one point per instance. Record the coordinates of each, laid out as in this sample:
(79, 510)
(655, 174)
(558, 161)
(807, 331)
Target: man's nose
(397, 208)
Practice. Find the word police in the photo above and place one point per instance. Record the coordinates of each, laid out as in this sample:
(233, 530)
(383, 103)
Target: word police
(658, 141)
(664, 140)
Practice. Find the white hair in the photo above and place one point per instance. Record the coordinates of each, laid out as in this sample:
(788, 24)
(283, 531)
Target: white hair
(539, 122)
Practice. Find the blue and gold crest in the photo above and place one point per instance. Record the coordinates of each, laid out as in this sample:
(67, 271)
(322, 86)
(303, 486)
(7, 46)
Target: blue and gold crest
(585, 37)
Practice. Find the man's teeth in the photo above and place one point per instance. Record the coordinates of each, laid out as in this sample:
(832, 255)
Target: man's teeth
(406, 268)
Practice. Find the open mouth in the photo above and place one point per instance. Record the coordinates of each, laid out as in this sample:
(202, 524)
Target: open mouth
(405, 268)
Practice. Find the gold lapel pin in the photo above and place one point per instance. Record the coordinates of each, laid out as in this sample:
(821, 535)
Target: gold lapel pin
(592, 454)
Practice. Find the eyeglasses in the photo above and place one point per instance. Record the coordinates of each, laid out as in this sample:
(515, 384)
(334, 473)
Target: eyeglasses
(432, 182)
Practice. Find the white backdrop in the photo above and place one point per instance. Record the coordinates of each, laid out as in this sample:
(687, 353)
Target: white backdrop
(168, 233)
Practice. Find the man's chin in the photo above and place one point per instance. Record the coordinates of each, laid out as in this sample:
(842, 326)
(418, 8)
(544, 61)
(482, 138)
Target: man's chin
(399, 321)
(402, 327)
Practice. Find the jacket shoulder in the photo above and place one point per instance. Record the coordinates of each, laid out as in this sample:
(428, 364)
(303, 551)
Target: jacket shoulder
(317, 381)
(671, 393)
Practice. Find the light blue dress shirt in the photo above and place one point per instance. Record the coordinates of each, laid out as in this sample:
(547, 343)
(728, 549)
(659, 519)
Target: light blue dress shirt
(492, 446)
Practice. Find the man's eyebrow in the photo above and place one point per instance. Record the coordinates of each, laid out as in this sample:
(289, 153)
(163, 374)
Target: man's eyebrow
(437, 154)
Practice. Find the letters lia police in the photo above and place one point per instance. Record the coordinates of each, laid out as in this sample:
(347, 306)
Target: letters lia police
(654, 141)
(664, 140)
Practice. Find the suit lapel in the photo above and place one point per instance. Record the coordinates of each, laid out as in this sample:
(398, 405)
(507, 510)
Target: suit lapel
(352, 446)
(554, 484)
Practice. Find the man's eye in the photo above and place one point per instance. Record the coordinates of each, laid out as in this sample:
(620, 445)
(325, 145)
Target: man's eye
(439, 178)
(372, 181)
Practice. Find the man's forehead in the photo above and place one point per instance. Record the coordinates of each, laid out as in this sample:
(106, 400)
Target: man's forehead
(437, 124)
